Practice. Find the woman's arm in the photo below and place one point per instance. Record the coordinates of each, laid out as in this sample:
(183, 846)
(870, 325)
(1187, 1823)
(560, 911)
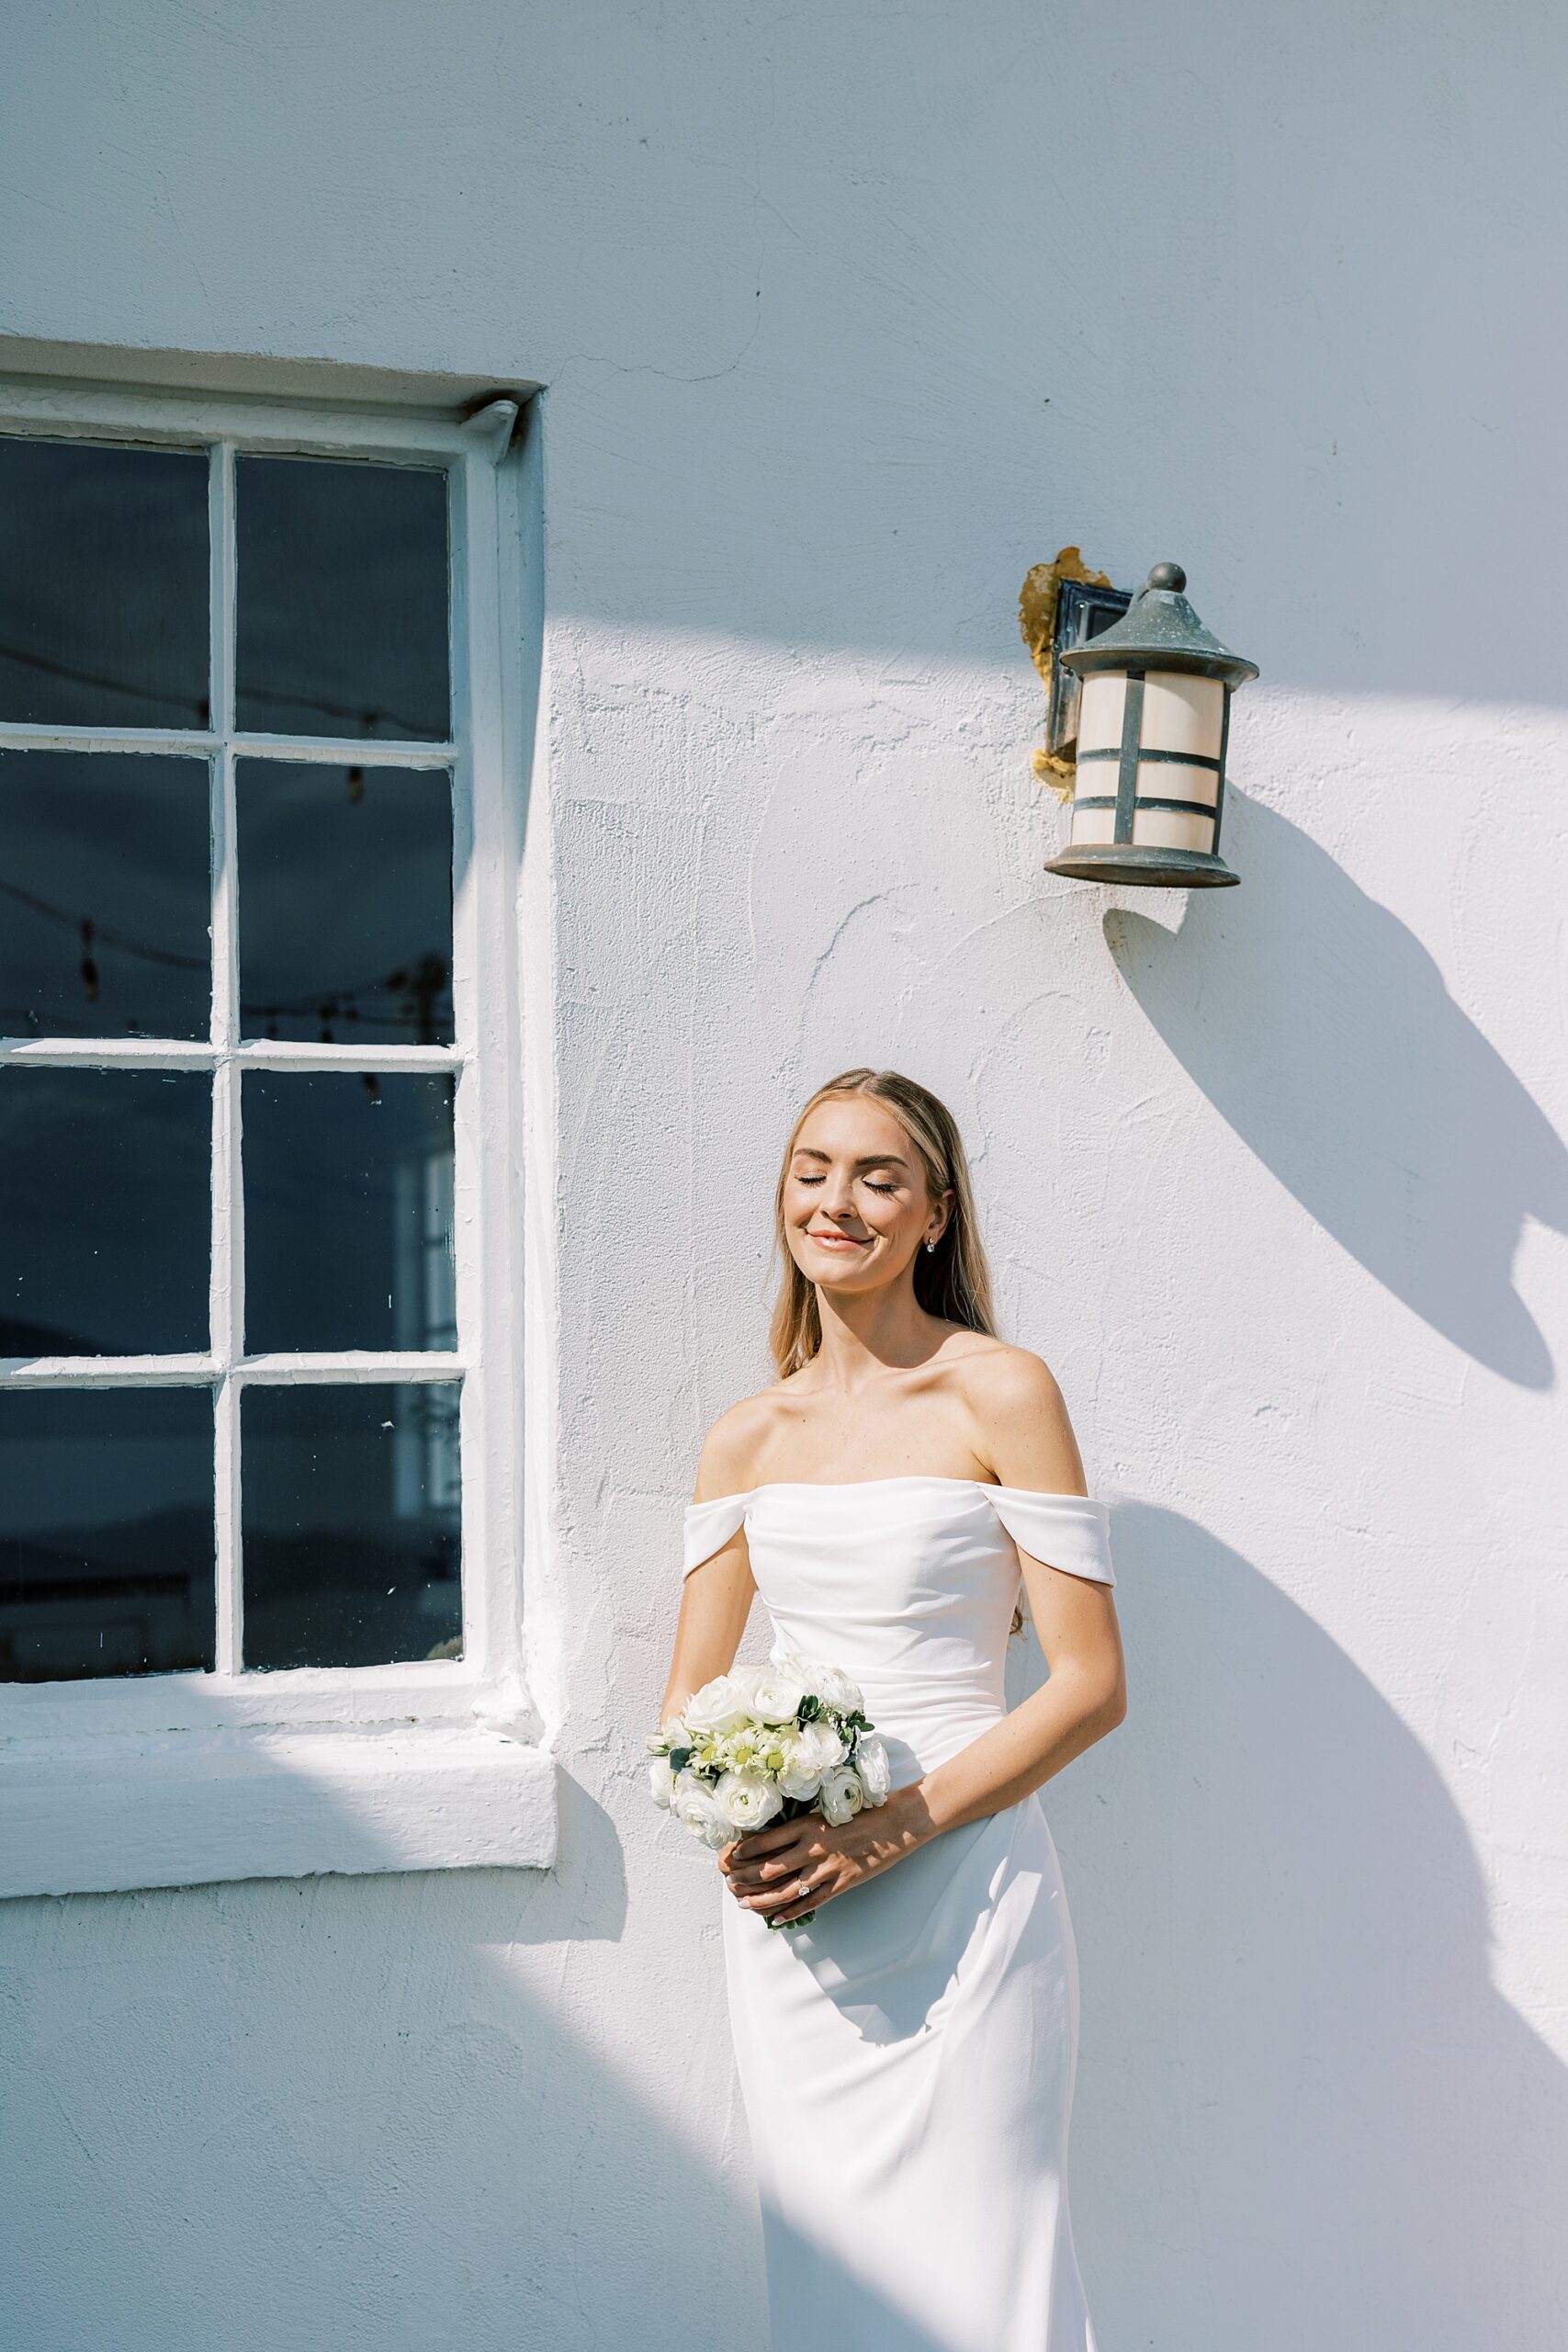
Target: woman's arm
(1029, 1443)
(714, 1604)
(716, 1599)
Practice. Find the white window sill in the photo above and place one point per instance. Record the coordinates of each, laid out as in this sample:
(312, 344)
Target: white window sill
(117, 1812)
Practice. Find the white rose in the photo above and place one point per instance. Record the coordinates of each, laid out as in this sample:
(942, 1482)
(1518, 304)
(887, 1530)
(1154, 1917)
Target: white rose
(661, 1781)
(719, 1706)
(747, 1801)
(692, 1803)
(776, 1695)
(833, 1686)
(840, 1795)
(872, 1764)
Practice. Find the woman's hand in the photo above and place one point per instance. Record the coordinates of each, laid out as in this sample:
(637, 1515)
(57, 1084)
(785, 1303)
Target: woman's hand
(793, 1867)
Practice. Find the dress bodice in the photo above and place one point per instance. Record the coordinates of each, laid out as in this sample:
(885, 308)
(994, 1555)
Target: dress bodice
(908, 1584)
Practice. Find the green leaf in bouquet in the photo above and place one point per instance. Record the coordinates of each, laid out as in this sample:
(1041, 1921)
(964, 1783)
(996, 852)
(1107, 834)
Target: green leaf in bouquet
(810, 1709)
(679, 1759)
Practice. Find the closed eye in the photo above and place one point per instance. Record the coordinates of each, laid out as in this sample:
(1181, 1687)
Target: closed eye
(866, 1179)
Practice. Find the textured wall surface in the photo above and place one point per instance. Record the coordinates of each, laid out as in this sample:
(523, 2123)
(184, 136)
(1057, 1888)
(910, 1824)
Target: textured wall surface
(847, 316)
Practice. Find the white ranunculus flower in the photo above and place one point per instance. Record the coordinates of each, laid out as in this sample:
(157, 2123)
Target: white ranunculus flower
(776, 1695)
(833, 1686)
(817, 1747)
(719, 1706)
(661, 1781)
(872, 1764)
(692, 1803)
(747, 1801)
(800, 1774)
(841, 1795)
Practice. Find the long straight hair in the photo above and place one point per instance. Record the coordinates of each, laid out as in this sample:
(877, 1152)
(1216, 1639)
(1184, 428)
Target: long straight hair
(952, 1281)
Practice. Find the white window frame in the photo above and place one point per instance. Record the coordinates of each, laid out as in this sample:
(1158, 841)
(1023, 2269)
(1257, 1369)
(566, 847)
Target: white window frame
(175, 1779)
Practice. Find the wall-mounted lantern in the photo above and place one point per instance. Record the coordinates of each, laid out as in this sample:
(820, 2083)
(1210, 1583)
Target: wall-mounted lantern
(1153, 720)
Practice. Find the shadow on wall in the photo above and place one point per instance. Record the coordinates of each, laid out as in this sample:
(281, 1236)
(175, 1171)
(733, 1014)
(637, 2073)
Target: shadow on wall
(271, 2115)
(1320, 1028)
(1305, 2117)
(274, 2115)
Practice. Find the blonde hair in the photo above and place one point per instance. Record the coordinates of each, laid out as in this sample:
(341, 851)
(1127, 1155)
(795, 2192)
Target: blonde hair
(952, 1281)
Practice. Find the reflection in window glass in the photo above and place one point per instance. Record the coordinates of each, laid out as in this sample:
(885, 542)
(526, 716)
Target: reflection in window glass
(104, 1191)
(351, 1525)
(345, 903)
(106, 1532)
(104, 896)
(103, 585)
(349, 1211)
(342, 599)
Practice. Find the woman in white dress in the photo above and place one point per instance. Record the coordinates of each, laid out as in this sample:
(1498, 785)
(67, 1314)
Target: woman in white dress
(906, 2059)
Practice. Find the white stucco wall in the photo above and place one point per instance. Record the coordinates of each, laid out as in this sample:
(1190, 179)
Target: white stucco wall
(847, 316)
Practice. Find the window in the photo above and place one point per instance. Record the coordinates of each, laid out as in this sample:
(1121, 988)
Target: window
(257, 865)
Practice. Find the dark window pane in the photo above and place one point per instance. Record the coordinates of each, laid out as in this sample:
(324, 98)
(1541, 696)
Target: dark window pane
(345, 903)
(104, 898)
(103, 585)
(351, 1525)
(104, 1203)
(106, 1532)
(342, 599)
(348, 1212)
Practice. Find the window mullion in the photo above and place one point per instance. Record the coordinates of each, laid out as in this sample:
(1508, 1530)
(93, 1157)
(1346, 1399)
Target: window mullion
(228, 1219)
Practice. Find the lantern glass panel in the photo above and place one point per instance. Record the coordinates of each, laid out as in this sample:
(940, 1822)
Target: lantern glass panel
(1171, 828)
(1093, 826)
(1182, 713)
(1099, 711)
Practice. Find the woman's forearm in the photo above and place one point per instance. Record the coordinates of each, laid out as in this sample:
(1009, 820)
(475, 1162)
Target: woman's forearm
(1082, 1702)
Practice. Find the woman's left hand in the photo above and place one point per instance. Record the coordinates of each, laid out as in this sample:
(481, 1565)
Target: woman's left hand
(793, 1867)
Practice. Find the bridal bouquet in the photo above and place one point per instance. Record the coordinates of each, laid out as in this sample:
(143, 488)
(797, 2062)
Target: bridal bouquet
(787, 1738)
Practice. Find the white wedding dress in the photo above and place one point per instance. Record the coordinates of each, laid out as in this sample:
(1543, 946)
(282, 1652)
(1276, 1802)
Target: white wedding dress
(907, 2060)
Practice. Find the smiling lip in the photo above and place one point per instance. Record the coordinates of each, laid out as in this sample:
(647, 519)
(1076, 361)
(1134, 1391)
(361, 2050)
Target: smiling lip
(838, 1241)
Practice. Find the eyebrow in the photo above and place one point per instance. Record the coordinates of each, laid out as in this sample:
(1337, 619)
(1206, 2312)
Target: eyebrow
(867, 1159)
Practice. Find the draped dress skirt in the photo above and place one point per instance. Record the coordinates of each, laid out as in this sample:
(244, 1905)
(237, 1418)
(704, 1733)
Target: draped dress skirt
(907, 2060)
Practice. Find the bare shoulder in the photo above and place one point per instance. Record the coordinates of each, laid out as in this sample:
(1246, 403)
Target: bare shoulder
(733, 1444)
(1022, 1429)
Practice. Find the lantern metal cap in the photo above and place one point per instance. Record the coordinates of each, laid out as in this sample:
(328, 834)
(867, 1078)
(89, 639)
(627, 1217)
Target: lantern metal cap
(1160, 630)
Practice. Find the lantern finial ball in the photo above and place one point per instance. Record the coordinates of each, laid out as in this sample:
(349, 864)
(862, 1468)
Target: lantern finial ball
(1168, 575)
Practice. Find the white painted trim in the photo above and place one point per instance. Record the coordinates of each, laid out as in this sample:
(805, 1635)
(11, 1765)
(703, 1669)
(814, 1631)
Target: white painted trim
(491, 428)
(192, 1053)
(112, 1814)
(63, 412)
(255, 376)
(549, 1630)
(197, 743)
(203, 1371)
(439, 1691)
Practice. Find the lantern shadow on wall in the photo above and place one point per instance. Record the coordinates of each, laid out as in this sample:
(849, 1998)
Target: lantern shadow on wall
(1361, 1084)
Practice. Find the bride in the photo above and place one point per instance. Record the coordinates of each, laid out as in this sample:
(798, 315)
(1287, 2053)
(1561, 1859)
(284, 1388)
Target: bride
(907, 2058)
